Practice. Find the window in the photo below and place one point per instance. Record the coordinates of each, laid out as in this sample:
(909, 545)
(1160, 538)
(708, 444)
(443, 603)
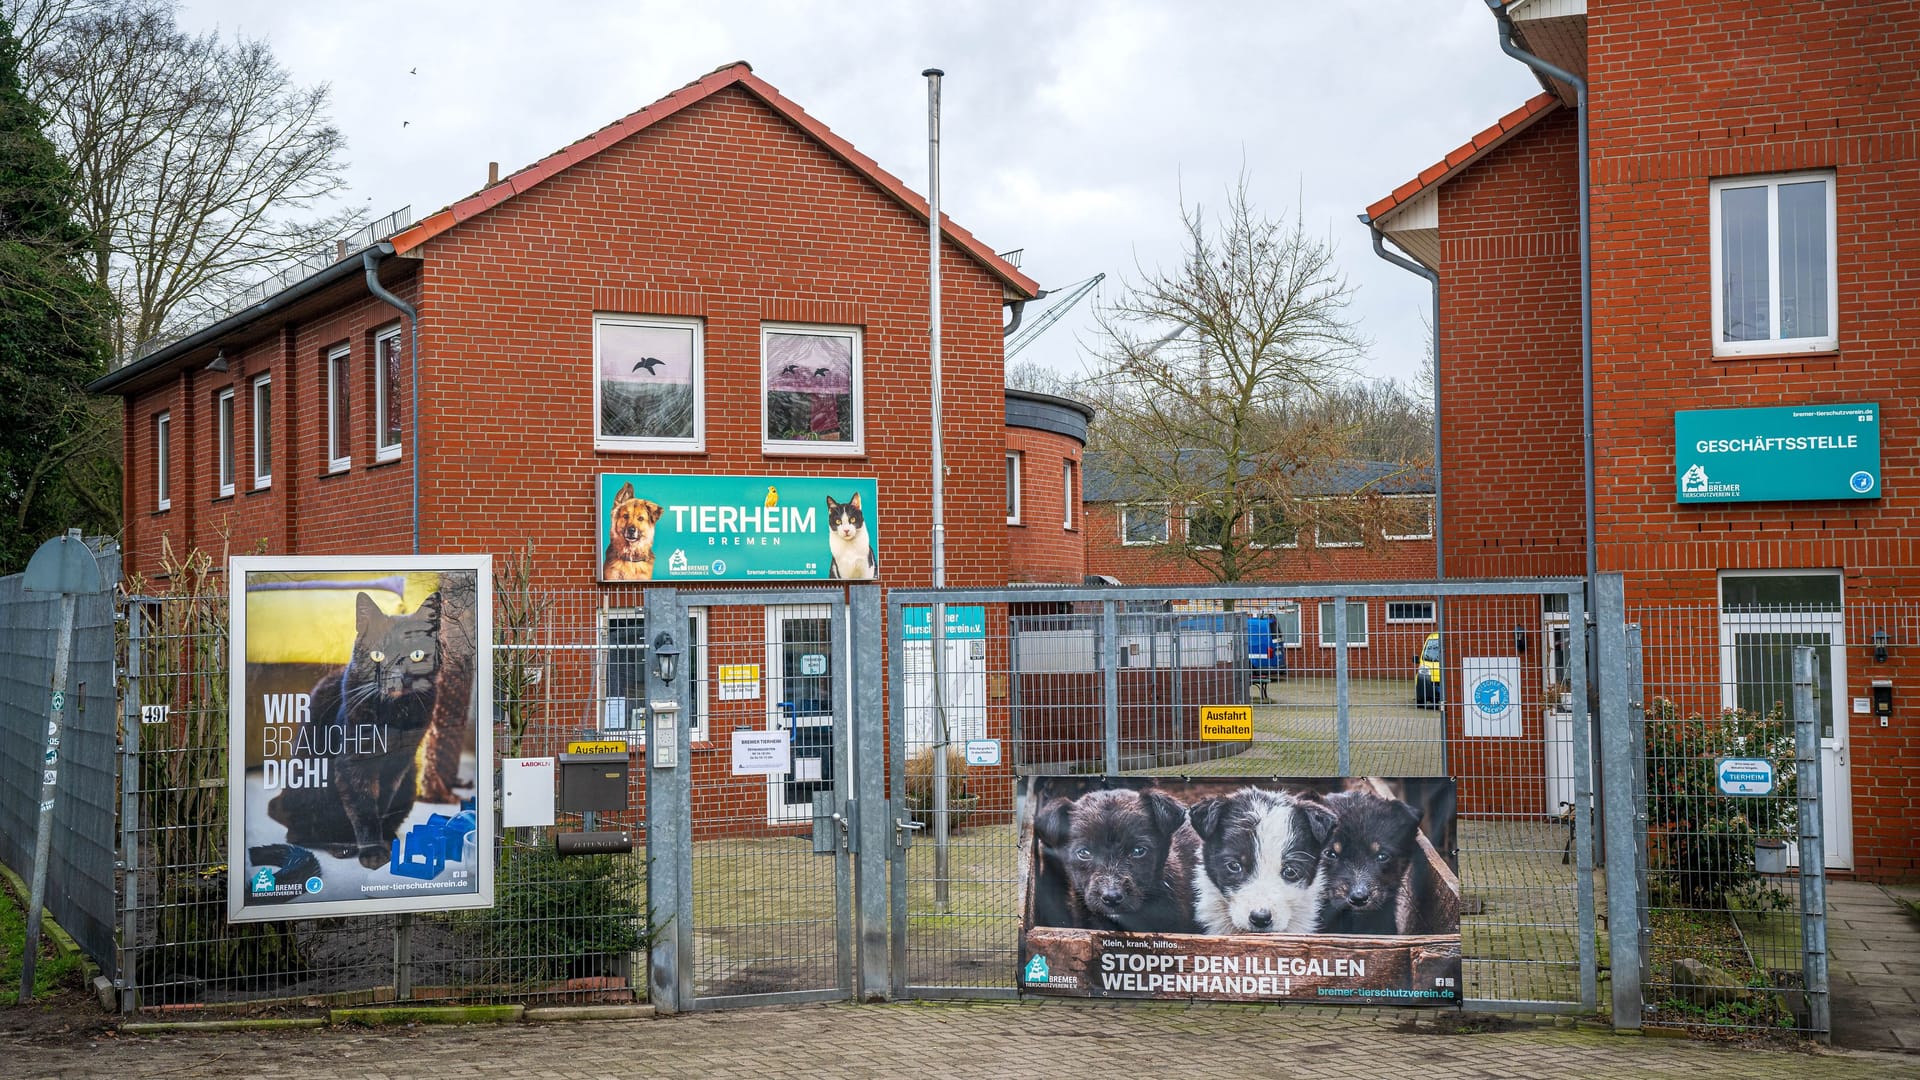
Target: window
(1208, 526)
(1013, 487)
(162, 462)
(1409, 611)
(1409, 517)
(1272, 529)
(1334, 532)
(387, 398)
(623, 674)
(263, 432)
(223, 408)
(1780, 593)
(648, 382)
(339, 440)
(812, 380)
(1356, 624)
(1146, 524)
(1067, 497)
(1775, 283)
(1287, 624)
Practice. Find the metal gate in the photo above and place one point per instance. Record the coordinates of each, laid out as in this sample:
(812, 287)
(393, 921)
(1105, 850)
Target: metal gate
(751, 872)
(1108, 680)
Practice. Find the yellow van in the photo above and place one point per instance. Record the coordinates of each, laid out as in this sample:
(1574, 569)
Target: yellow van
(1426, 683)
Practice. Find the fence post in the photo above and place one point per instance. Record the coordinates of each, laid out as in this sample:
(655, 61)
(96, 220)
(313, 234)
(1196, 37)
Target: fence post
(1110, 683)
(130, 720)
(1342, 692)
(873, 818)
(1637, 727)
(1620, 818)
(1813, 853)
(669, 827)
(1581, 754)
(896, 819)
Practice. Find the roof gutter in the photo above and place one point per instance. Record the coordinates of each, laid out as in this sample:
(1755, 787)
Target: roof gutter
(153, 361)
(370, 261)
(1579, 85)
(1433, 279)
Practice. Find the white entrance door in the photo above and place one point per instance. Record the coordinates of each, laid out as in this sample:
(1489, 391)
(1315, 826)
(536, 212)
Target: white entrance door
(1763, 618)
(801, 685)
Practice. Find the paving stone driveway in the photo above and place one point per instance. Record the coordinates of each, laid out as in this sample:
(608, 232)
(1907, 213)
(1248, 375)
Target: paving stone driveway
(953, 1040)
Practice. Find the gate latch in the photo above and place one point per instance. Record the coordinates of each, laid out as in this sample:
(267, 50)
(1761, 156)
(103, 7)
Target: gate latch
(903, 830)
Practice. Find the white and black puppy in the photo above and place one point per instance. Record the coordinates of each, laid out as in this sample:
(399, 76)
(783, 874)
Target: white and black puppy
(1256, 870)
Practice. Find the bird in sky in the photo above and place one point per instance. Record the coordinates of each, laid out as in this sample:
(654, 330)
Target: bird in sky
(651, 363)
(821, 372)
(773, 496)
(415, 71)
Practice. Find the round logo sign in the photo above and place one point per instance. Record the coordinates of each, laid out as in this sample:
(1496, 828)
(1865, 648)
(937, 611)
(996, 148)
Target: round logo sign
(719, 567)
(314, 884)
(1490, 695)
(1861, 481)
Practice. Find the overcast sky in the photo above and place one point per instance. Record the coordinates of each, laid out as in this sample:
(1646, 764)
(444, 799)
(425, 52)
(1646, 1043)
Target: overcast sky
(1072, 130)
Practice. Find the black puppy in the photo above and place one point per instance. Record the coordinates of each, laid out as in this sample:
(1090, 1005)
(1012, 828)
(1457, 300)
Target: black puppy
(1374, 842)
(1109, 852)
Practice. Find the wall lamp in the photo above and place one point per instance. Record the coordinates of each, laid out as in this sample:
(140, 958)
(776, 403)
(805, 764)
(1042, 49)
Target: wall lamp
(219, 361)
(666, 657)
(1880, 646)
(1520, 640)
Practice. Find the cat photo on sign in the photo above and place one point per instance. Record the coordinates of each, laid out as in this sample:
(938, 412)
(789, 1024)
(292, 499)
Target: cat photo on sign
(357, 759)
(848, 542)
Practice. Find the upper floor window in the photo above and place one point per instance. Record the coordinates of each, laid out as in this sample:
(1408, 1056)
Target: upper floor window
(648, 382)
(812, 379)
(1409, 517)
(1272, 529)
(1144, 524)
(387, 397)
(1775, 283)
(1013, 487)
(223, 410)
(1066, 486)
(1208, 526)
(339, 435)
(162, 462)
(1336, 531)
(263, 432)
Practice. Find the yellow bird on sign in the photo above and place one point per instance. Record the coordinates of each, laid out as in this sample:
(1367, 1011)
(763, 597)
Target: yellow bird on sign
(773, 496)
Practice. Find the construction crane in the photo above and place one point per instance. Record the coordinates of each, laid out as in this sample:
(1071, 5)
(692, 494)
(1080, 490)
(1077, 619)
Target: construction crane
(1026, 335)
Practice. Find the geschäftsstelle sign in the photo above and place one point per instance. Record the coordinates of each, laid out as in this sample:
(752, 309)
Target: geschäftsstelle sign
(1788, 454)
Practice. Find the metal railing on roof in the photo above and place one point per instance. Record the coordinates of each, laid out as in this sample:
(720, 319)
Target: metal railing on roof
(302, 267)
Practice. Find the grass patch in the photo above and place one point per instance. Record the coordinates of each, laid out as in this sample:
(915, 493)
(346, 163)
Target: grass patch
(1710, 937)
(53, 972)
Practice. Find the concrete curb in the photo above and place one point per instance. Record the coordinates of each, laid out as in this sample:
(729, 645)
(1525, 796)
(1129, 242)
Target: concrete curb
(550, 1014)
(428, 1014)
(164, 1027)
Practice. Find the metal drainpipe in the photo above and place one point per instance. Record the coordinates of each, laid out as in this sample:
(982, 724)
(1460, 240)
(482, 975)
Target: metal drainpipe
(1433, 279)
(1579, 85)
(371, 260)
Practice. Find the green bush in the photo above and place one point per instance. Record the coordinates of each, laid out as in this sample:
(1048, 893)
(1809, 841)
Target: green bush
(1703, 840)
(557, 918)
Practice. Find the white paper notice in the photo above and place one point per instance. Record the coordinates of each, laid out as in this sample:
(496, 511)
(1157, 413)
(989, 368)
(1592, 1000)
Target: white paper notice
(526, 792)
(806, 769)
(761, 753)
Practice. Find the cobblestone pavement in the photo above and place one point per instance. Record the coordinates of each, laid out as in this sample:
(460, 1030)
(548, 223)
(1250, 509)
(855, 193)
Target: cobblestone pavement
(956, 1040)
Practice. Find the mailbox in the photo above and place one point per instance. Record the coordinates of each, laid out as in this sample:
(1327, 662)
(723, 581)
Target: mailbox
(591, 782)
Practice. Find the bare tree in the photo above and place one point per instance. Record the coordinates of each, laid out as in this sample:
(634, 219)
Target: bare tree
(1206, 378)
(198, 163)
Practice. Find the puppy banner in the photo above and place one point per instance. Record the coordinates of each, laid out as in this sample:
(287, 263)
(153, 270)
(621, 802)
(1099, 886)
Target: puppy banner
(737, 528)
(360, 762)
(1340, 890)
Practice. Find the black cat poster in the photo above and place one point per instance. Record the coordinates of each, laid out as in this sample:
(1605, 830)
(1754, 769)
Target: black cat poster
(360, 765)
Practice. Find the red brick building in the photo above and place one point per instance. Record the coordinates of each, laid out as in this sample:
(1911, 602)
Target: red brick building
(1754, 181)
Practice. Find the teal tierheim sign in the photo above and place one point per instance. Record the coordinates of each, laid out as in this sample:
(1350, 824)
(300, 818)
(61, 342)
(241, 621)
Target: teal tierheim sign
(737, 528)
(1796, 453)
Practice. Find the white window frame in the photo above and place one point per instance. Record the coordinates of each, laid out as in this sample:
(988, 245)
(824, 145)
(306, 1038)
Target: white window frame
(1320, 542)
(1166, 526)
(1773, 345)
(223, 442)
(857, 405)
(163, 461)
(1016, 463)
(339, 387)
(693, 663)
(1067, 500)
(262, 425)
(1253, 530)
(1425, 535)
(1294, 640)
(1427, 618)
(1186, 525)
(1325, 630)
(695, 444)
(383, 451)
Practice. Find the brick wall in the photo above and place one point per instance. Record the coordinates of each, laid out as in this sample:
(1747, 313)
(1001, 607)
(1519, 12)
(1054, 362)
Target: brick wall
(1042, 548)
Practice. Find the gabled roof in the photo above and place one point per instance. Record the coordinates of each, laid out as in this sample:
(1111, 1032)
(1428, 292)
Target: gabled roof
(738, 74)
(1468, 152)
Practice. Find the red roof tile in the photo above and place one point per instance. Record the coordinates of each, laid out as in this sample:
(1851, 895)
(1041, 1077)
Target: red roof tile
(738, 74)
(1467, 153)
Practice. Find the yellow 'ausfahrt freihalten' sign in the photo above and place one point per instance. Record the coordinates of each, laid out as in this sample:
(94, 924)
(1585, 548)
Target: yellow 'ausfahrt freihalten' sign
(1226, 723)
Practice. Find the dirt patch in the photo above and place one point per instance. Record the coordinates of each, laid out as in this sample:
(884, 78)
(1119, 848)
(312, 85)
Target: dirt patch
(1453, 1022)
